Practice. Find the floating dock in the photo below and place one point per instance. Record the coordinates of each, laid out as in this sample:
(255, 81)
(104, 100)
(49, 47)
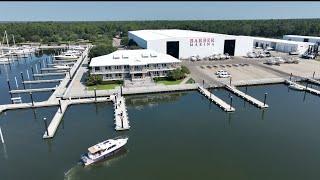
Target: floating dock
(245, 96)
(120, 113)
(225, 106)
(307, 89)
(55, 69)
(42, 81)
(17, 91)
(54, 124)
(313, 81)
(50, 74)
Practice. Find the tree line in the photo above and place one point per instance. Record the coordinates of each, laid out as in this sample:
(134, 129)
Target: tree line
(103, 32)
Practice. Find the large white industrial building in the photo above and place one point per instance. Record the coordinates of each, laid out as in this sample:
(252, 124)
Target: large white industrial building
(183, 44)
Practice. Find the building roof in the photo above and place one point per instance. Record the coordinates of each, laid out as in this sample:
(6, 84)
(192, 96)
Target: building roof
(132, 57)
(299, 36)
(171, 33)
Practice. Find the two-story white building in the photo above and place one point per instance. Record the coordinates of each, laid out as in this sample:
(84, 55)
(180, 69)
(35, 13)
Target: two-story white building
(133, 64)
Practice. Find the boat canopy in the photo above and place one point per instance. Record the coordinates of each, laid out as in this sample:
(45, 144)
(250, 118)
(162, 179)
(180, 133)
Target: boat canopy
(94, 149)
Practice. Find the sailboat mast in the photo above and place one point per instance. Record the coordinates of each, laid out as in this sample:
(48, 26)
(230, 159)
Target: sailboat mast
(14, 42)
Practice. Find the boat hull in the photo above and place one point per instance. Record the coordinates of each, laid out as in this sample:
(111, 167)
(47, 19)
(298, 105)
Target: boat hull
(86, 161)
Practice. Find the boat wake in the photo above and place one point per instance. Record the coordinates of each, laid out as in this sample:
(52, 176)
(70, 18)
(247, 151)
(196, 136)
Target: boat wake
(78, 169)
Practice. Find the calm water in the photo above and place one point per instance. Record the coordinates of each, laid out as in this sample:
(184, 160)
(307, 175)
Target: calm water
(172, 136)
(14, 71)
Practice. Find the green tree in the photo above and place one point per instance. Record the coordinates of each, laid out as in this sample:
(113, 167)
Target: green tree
(93, 80)
(101, 49)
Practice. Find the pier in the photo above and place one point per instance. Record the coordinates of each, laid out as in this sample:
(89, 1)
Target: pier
(55, 69)
(245, 96)
(120, 113)
(226, 107)
(313, 81)
(17, 91)
(63, 105)
(42, 81)
(50, 74)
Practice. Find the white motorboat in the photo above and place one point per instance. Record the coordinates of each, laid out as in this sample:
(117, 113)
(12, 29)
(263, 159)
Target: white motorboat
(66, 56)
(62, 67)
(103, 150)
(296, 86)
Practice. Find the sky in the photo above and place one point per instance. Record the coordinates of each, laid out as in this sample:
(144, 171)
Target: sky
(144, 10)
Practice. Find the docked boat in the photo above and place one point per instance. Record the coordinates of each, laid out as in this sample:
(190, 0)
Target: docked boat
(103, 150)
(296, 86)
(66, 56)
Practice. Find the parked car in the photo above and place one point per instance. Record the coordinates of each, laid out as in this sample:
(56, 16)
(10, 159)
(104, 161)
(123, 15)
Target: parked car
(220, 71)
(222, 56)
(267, 53)
(269, 49)
(293, 53)
(224, 75)
(251, 55)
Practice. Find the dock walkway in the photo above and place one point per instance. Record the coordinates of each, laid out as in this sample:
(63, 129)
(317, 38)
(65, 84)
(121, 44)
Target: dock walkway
(225, 106)
(313, 81)
(50, 74)
(17, 91)
(245, 96)
(42, 81)
(120, 113)
(54, 124)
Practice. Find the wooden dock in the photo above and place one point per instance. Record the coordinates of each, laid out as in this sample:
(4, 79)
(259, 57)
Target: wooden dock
(17, 91)
(225, 106)
(54, 124)
(50, 74)
(245, 96)
(121, 120)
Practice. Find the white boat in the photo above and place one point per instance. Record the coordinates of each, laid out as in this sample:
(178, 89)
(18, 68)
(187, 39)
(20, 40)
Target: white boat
(66, 56)
(103, 150)
(296, 86)
(62, 66)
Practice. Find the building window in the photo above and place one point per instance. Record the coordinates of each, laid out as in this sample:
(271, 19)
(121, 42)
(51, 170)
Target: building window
(97, 68)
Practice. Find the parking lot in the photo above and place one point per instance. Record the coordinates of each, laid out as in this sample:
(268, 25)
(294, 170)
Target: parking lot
(240, 72)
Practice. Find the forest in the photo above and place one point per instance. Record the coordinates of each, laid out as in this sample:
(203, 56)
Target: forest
(102, 32)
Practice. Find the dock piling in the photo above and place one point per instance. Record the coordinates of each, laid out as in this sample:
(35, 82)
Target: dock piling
(60, 106)
(313, 74)
(290, 76)
(95, 94)
(31, 97)
(46, 126)
(265, 99)
(32, 72)
(230, 102)
(24, 86)
(2, 140)
(230, 80)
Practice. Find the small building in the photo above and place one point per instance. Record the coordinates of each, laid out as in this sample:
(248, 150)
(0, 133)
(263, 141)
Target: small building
(282, 45)
(182, 44)
(312, 39)
(133, 64)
